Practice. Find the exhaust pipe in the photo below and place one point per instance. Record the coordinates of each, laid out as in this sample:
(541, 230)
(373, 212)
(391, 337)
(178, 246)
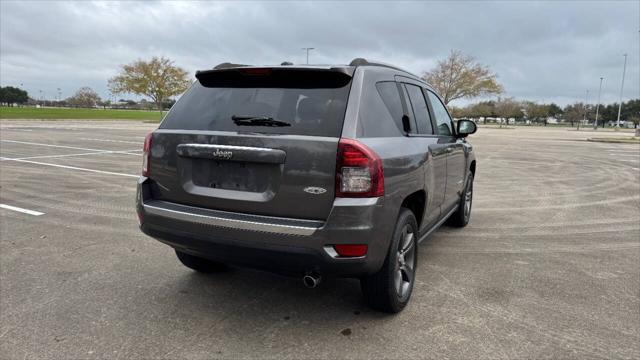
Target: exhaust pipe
(311, 280)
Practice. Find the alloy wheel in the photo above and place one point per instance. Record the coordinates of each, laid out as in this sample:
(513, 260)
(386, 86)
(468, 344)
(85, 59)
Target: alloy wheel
(468, 199)
(405, 264)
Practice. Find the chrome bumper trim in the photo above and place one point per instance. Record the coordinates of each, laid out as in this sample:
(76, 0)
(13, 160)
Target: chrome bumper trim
(199, 217)
(357, 201)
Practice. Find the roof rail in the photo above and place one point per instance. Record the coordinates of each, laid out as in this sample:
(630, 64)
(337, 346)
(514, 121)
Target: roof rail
(226, 65)
(365, 62)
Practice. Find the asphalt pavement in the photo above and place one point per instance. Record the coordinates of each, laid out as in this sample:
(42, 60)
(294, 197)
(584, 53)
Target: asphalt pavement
(549, 266)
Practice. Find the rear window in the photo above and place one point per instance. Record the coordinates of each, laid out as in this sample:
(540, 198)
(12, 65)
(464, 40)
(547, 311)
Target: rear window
(388, 91)
(310, 111)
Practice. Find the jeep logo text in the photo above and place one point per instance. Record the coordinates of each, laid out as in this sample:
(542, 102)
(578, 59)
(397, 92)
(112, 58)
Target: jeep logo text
(222, 154)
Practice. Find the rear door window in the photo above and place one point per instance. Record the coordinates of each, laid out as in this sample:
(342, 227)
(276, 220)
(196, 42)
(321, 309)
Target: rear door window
(309, 110)
(420, 110)
(444, 126)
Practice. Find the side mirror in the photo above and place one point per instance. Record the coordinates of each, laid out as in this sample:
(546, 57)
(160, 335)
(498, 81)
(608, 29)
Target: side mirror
(466, 127)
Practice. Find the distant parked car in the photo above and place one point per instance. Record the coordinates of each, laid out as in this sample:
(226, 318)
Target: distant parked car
(623, 124)
(309, 171)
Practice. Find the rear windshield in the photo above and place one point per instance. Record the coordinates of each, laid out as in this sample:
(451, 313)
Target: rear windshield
(308, 110)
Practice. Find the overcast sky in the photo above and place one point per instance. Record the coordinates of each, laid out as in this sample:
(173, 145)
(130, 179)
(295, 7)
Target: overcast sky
(543, 51)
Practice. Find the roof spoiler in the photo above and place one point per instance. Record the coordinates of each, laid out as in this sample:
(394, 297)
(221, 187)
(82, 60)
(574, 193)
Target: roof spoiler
(227, 65)
(365, 62)
(275, 76)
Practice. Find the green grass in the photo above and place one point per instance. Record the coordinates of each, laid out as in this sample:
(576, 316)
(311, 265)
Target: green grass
(69, 113)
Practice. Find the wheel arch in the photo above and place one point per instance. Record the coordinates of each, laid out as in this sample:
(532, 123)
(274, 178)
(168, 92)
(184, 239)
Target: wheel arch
(416, 202)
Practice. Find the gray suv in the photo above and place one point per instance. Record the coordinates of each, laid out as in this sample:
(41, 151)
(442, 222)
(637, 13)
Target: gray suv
(309, 171)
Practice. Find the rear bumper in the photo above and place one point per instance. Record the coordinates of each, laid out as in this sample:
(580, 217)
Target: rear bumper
(230, 220)
(284, 245)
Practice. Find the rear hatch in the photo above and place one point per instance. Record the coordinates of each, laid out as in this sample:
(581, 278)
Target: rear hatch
(253, 140)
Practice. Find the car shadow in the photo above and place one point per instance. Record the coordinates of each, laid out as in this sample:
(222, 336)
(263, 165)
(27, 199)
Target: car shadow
(247, 296)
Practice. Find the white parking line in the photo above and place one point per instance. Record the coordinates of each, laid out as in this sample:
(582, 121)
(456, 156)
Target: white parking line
(74, 127)
(26, 211)
(60, 146)
(70, 167)
(625, 155)
(621, 148)
(71, 155)
(116, 141)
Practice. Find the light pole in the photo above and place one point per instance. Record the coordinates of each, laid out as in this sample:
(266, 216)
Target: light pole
(308, 49)
(624, 70)
(595, 123)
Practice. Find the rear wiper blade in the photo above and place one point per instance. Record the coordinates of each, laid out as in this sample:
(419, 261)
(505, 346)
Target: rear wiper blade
(257, 121)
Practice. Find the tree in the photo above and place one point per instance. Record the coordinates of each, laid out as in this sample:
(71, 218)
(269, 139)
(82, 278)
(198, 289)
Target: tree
(12, 95)
(608, 112)
(507, 108)
(104, 103)
(481, 110)
(634, 119)
(168, 103)
(574, 113)
(630, 109)
(460, 76)
(157, 79)
(555, 111)
(457, 112)
(84, 97)
(536, 112)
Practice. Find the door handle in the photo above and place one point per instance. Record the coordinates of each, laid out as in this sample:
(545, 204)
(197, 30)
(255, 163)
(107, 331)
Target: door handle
(449, 150)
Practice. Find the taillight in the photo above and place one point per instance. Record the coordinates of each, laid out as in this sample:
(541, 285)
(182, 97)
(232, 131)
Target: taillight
(351, 250)
(358, 171)
(146, 154)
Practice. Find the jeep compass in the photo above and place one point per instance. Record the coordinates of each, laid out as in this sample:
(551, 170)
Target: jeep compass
(309, 171)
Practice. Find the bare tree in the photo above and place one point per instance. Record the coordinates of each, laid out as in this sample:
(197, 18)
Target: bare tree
(84, 97)
(481, 110)
(460, 76)
(537, 112)
(457, 112)
(574, 113)
(507, 108)
(158, 79)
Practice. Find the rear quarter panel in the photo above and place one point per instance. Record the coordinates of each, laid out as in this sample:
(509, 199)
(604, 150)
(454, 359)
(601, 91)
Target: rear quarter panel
(403, 163)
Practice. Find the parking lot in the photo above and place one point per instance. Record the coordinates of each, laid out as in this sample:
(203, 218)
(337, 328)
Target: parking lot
(548, 267)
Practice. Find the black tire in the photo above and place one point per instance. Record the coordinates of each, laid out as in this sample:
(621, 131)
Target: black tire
(461, 217)
(199, 264)
(381, 290)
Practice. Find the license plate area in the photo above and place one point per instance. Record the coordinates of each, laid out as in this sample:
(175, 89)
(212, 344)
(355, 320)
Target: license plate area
(232, 175)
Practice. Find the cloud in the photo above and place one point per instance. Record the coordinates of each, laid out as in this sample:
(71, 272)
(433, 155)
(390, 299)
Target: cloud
(545, 51)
